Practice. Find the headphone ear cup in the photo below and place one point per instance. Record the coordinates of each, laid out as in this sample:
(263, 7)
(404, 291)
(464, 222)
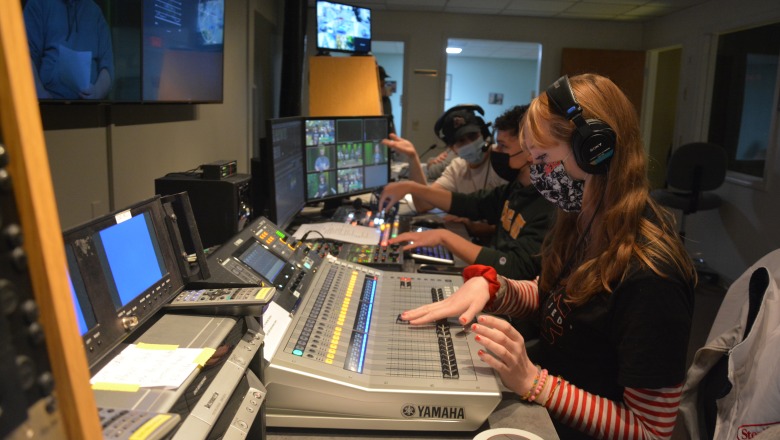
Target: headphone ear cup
(593, 146)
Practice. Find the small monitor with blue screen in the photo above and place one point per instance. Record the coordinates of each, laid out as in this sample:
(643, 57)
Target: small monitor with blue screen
(131, 259)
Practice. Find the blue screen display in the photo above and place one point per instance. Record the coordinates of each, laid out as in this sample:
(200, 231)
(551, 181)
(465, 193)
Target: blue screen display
(79, 315)
(133, 257)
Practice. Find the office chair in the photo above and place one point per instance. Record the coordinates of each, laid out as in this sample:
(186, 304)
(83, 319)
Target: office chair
(693, 170)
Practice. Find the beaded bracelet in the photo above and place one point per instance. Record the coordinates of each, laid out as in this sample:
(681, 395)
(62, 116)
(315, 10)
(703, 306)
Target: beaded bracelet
(527, 395)
(538, 390)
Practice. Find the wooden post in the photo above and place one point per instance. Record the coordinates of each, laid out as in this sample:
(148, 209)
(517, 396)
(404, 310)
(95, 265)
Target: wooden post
(29, 169)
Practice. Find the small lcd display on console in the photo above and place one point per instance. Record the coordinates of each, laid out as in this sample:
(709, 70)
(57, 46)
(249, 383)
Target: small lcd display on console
(262, 261)
(131, 258)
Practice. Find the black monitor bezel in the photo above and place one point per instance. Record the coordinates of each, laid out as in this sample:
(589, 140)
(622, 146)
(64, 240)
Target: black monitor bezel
(364, 190)
(267, 163)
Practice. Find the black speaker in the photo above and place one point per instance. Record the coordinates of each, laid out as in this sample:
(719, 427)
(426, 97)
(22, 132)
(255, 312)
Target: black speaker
(221, 207)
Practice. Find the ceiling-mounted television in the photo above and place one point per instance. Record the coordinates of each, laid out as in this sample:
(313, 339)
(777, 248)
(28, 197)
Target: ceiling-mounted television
(343, 28)
(126, 51)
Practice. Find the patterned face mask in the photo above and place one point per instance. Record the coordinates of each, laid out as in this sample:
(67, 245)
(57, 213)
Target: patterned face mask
(552, 181)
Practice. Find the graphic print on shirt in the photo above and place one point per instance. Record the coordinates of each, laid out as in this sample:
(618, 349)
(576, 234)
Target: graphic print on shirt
(554, 312)
(511, 221)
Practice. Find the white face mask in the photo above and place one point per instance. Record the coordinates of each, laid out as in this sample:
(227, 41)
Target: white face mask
(472, 153)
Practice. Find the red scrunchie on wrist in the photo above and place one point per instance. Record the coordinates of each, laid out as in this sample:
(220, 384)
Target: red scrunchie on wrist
(486, 272)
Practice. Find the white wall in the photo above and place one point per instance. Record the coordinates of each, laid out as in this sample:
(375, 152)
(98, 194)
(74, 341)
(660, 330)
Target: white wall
(473, 79)
(745, 228)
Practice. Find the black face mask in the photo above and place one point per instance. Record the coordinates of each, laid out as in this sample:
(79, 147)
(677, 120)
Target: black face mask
(500, 164)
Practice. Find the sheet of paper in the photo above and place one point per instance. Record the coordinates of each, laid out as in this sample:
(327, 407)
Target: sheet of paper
(74, 67)
(275, 323)
(150, 366)
(341, 232)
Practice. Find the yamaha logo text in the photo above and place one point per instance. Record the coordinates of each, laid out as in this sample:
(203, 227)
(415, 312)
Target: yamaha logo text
(411, 411)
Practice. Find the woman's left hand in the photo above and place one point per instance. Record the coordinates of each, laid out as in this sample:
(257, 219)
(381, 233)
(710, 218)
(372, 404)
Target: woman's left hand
(505, 352)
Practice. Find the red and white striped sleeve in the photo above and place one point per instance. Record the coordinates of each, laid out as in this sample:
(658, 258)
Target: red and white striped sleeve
(645, 414)
(516, 298)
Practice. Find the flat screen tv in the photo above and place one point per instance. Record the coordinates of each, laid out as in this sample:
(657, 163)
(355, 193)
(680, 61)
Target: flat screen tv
(345, 156)
(126, 51)
(343, 28)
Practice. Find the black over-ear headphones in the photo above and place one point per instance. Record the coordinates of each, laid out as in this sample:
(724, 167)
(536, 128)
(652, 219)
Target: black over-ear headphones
(438, 128)
(593, 141)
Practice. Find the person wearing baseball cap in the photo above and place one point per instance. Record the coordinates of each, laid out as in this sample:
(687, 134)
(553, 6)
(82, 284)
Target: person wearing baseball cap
(467, 136)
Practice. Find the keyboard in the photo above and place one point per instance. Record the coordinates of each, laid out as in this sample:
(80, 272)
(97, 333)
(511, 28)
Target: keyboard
(122, 424)
(433, 254)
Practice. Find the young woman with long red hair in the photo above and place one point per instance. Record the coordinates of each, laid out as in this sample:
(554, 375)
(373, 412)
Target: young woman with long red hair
(614, 300)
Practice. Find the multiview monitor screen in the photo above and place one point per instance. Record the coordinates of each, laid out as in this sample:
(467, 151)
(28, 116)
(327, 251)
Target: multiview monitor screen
(345, 156)
(343, 28)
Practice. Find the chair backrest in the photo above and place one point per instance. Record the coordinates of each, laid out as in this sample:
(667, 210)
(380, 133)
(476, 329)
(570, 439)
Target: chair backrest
(698, 166)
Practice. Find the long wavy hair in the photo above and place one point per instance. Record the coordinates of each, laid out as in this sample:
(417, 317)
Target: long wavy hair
(625, 228)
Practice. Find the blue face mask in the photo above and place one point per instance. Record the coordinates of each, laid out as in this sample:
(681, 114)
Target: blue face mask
(472, 153)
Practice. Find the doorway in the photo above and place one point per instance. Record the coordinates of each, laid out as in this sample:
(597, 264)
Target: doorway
(660, 111)
(494, 74)
(390, 55)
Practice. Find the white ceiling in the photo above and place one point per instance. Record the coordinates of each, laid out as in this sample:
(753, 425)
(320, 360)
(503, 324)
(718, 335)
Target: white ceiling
(613, 10)
(618, 10)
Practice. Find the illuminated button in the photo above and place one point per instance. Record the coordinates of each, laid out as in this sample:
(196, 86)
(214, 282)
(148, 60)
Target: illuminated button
(297, 352)
(330, 356)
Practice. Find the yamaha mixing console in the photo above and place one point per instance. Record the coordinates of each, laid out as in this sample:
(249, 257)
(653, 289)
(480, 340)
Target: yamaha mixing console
(345, 359)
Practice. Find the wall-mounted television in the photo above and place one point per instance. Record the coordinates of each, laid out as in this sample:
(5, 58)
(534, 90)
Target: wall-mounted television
(343, 28)
(126, 51)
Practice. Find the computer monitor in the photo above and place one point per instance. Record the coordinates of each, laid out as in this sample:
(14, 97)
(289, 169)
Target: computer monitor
(123, 269)
(283, 171)
(343, 28)
(345, 156)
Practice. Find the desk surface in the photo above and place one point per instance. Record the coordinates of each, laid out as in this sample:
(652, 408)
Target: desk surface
(511, 413)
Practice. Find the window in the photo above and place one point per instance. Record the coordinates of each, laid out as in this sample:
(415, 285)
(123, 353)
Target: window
(743, 116)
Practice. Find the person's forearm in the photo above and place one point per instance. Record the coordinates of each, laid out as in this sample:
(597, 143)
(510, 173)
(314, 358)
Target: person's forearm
(460, 247)
(427, 197)
(416, 173)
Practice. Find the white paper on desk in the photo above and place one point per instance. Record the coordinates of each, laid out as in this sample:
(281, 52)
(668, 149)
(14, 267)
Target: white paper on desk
(275, 323)
(340, 232)
(149, 367)
(74, 67)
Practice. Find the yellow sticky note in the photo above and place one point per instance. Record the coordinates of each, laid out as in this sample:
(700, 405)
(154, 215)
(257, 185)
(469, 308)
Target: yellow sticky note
(204, 356)
(265, 293)
(115, 387)
(147, 429)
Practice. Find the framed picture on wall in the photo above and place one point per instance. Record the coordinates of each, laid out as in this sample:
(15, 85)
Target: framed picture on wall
(448, 87)
(496, 98)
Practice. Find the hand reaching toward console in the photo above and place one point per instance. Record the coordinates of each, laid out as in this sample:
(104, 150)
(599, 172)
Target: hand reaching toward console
(432, 237)
(505, 352)
(465, 303)
(392, 193)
